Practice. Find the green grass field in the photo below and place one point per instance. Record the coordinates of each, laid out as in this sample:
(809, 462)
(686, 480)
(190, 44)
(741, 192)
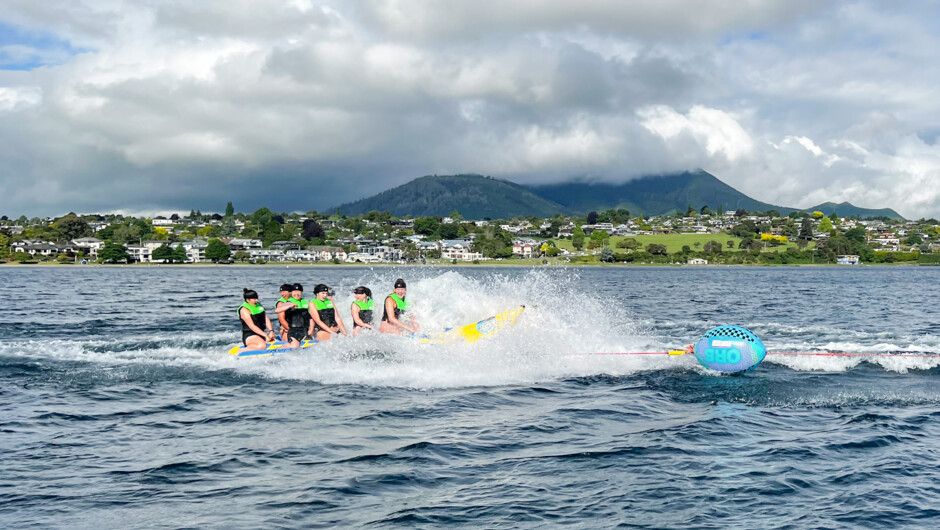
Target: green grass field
(675, 242)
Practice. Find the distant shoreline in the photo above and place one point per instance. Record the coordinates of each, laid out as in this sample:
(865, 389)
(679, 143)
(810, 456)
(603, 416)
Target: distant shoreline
(490, 263)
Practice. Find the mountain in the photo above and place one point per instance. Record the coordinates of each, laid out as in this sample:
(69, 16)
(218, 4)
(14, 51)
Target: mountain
(844, 209)
(654, 195)
(474, 196)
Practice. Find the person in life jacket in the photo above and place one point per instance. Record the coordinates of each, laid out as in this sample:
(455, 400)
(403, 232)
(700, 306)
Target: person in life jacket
(362, 309)
(325, 319)
(296, 312)
(394, 319)
(286, 288)
(256, 326)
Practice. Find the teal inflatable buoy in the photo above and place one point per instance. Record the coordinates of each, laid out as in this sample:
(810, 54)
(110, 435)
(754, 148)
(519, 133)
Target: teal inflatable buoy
(730, 349)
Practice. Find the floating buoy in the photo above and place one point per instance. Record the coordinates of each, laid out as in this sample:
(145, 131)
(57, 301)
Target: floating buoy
(730, 349)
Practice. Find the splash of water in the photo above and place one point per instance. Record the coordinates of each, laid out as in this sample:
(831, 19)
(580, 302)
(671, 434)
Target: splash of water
(565, 323)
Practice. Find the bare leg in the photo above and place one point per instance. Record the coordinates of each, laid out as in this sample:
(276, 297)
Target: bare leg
(255, 342)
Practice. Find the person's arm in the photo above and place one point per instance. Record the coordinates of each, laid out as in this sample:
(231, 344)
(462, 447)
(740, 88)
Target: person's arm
(390, 306)
(246, 317)
(281, 311)
(283, 306)
(270, 335)
(315, 319)
(357, 319)
(312, 311)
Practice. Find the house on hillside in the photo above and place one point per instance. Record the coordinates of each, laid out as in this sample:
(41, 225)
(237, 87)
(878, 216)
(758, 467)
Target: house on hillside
(285, 245)
(524, 248)
(154, 244)
(140, 253)
(386, 253)
(361, 257)
(300, 255)
(459, 249)
(196, 250)
(89, 245)
(267, 255)
(891, 244)
(428, 246)
(97, 226)
(623, 230)
(328, 253)
(35, 247)
(238, 243)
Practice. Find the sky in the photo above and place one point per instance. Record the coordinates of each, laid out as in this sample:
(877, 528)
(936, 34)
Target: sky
(158, 106)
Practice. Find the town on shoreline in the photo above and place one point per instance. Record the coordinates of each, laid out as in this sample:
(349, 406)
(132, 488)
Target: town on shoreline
(694, 237)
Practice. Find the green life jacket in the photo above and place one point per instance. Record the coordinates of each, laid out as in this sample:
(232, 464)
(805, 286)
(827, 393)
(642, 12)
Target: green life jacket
(298, 317)
(257, 316)
(326, 311)
(365, 310)
(401, 306)
(254, 309)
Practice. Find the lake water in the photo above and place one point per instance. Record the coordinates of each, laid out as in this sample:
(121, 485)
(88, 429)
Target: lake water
(119, 406)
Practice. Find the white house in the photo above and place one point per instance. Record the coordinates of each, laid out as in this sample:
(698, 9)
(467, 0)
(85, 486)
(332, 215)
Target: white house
(195, 250)
(362, 257)
(155, 244)
(428, 246)
(328, 253)
(140, 253)
(90, 245)
(267, 254)
(624, 230)
(386, 253)
(607, 227)
(459, 250)
(300, 255)
(892, 244)
(237, 243)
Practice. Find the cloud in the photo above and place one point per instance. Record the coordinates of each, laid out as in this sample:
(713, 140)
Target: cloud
(713, 129)
(649, 19)
(12, 99)
(301, 104)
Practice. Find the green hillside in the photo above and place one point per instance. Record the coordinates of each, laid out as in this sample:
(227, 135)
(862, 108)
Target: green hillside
(654, 195)
(474, 196)
(845, 209)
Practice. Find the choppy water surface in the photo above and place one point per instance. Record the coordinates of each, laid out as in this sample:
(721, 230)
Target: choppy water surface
(119, 406)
